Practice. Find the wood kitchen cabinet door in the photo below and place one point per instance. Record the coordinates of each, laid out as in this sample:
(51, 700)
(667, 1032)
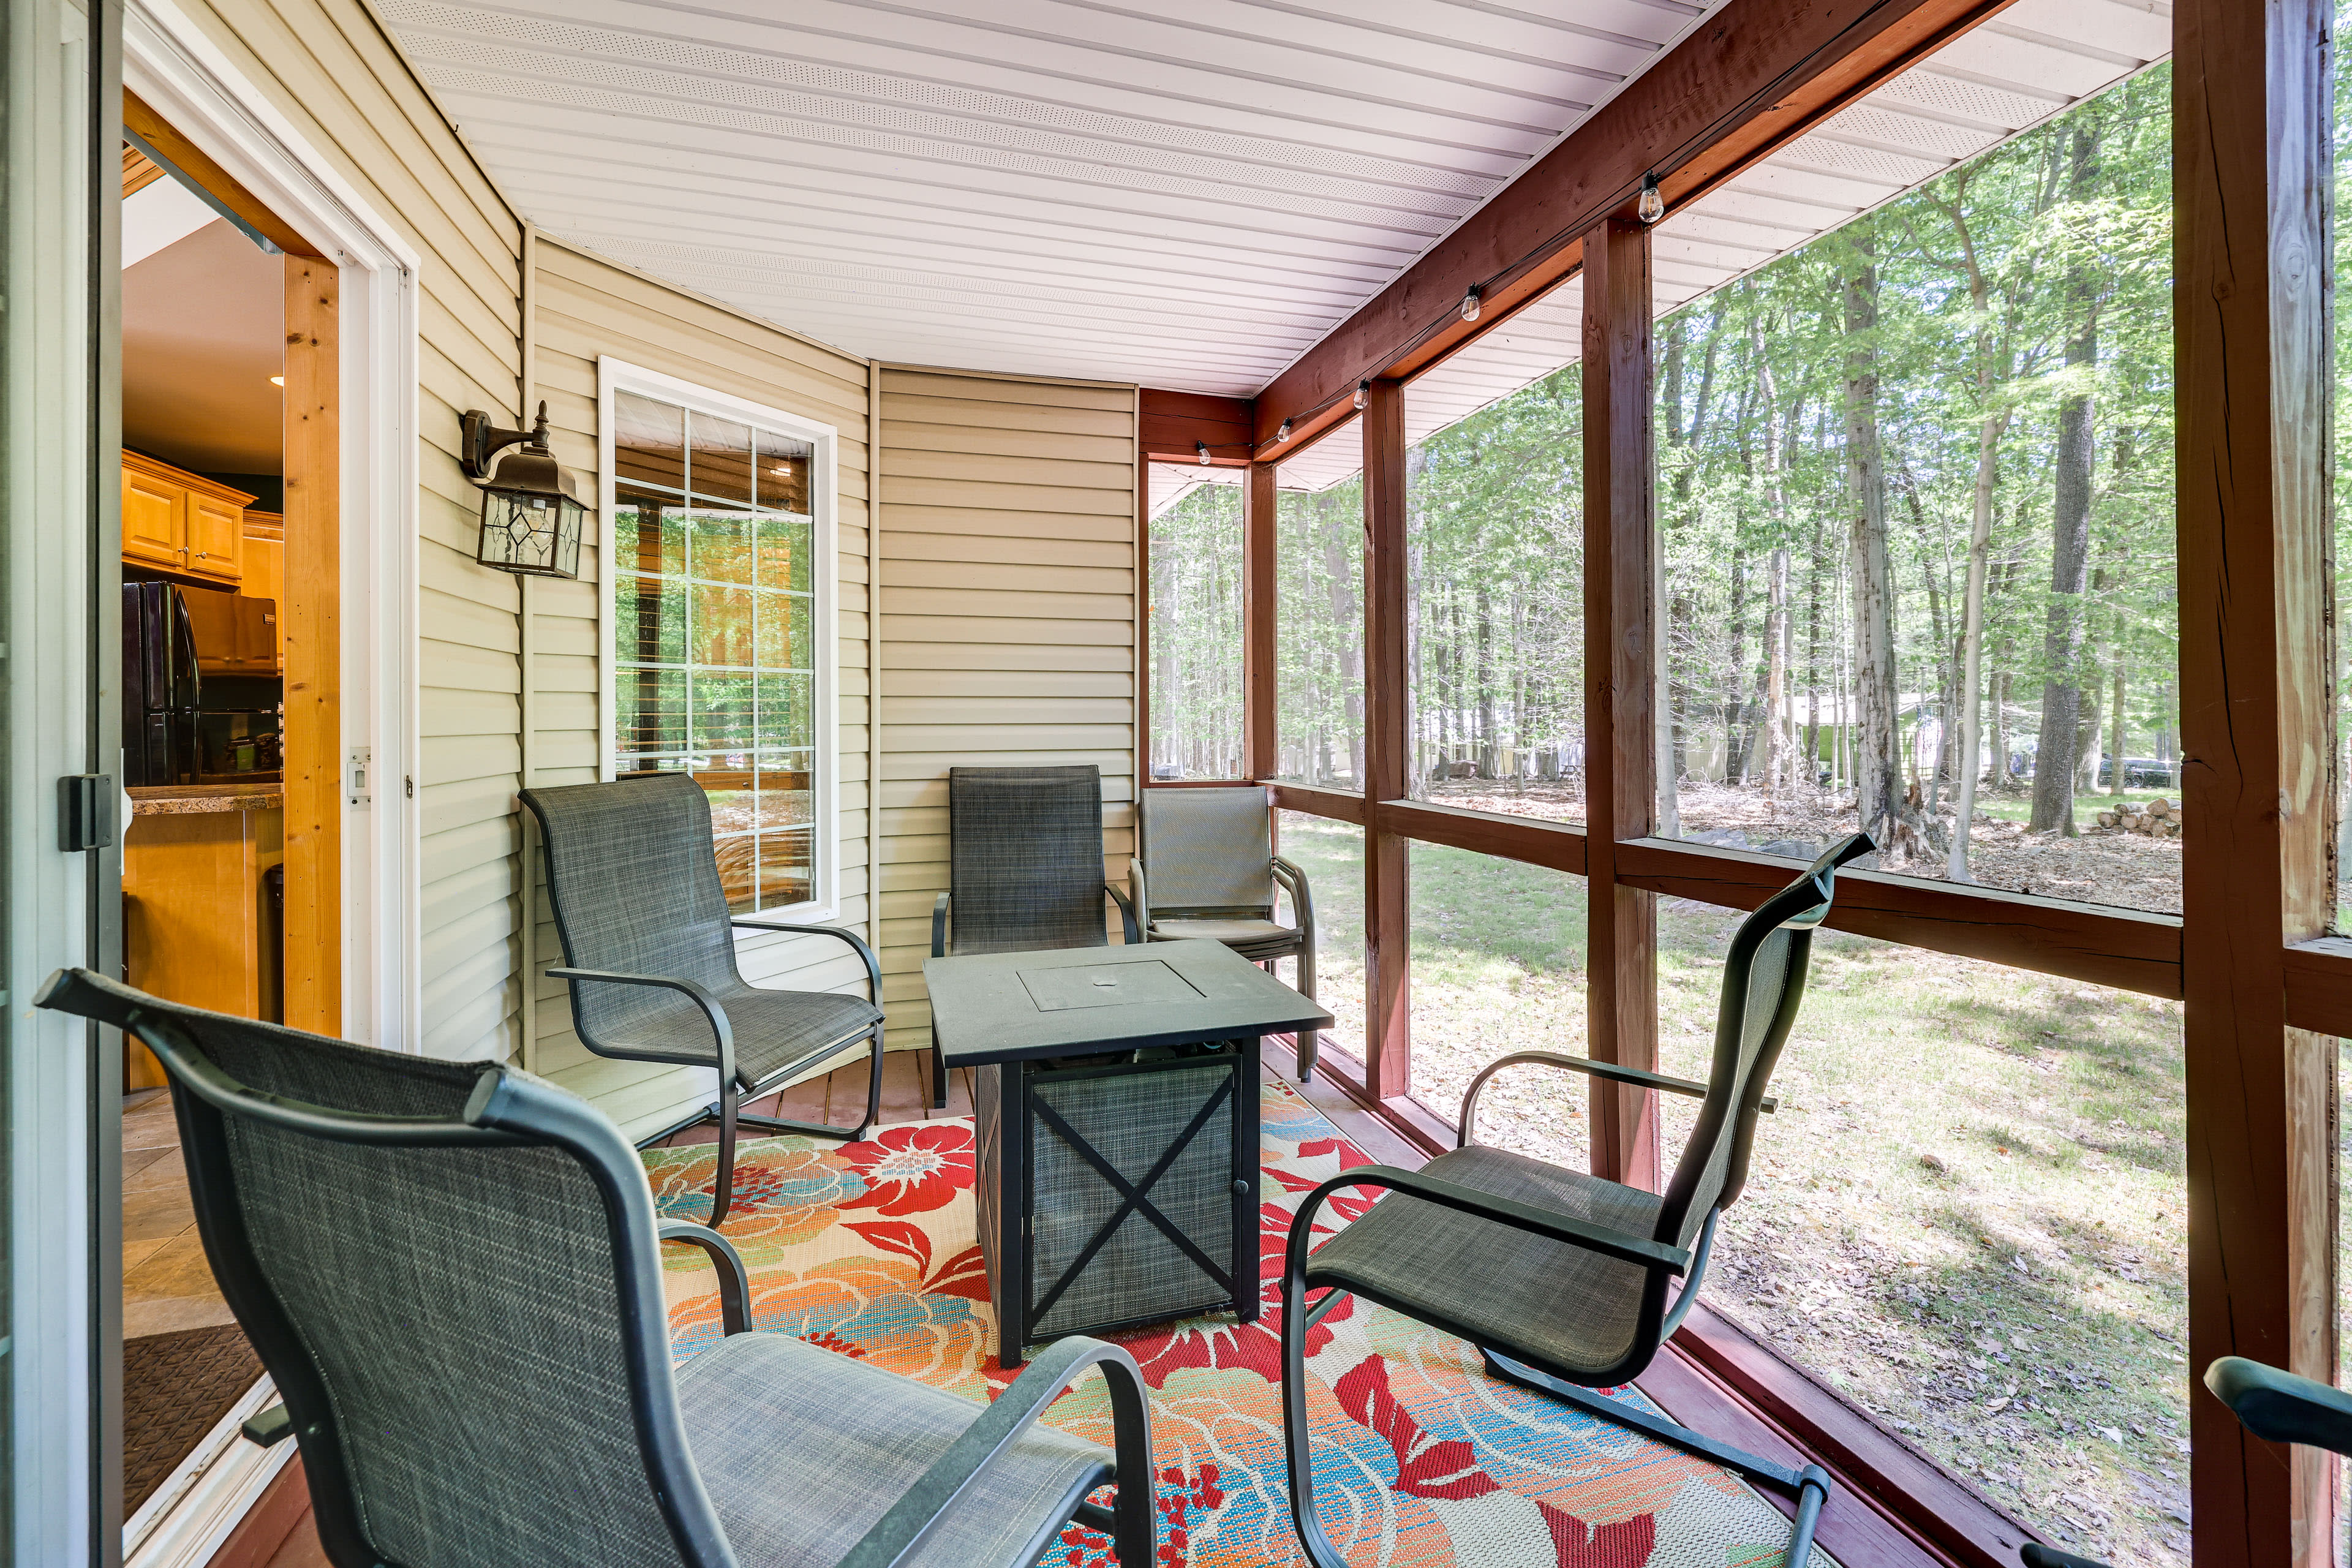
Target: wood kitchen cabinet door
(154, 518)
(215, 538)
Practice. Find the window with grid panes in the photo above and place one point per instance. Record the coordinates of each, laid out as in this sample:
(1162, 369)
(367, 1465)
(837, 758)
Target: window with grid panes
(714, 619)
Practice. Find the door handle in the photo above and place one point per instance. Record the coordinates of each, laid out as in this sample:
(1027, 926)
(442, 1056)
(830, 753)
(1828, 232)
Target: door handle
(86, 812)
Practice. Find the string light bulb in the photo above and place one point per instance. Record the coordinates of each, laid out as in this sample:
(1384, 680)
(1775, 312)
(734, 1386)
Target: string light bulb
(1363, 393)
(1652, 205)
(1202, 447)
(1470, 302)
(1283, 433)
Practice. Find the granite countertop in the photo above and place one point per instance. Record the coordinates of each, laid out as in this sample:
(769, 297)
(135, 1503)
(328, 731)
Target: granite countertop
(186, 800)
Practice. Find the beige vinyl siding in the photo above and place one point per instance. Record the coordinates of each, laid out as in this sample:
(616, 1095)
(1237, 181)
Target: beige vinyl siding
(326, 66)
(1008, 618)
(587, 308)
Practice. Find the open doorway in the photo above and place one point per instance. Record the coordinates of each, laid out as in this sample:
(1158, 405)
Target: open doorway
(231, 766)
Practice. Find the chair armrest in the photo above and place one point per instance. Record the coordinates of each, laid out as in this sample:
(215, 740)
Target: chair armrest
(903, 1527)
(857, 943)
(1134, 933)
(700, 996)
(1142, 896)
(2282, 1408)
(734, 1281)
(1640, 1251)
(940, 927)
(1586, 1065)
(1302, 903)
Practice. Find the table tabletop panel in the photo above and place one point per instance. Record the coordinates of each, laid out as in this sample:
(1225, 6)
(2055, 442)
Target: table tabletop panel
(1018, 1007)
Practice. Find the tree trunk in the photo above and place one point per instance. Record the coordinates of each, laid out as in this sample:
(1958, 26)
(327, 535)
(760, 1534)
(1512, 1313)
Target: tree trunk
(2116, 723)
(1878, 776)
(2070, 547)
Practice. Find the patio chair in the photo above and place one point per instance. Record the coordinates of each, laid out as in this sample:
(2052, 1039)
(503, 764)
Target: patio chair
(1208, 864)
(1560, 1277)
(1024, 868)
(649, 953)
(2274, 1406)
(452, 1271)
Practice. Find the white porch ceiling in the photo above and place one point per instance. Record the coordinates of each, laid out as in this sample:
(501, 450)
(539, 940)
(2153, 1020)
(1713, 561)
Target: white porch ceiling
(2029, 62)
(1184, 195)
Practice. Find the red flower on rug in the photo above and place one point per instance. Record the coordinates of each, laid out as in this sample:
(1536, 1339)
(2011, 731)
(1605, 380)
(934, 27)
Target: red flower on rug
(828, 1340)
(1446, 1468)
(1625, 1544)
(908, 1170)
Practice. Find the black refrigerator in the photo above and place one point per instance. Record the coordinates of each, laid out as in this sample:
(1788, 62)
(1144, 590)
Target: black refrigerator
(161, 692)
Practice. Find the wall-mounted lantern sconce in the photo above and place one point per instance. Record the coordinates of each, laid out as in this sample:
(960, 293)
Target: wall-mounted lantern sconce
(532, 512)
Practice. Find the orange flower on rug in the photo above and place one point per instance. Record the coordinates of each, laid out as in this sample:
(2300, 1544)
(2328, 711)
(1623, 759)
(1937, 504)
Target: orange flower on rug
(1421, 1461)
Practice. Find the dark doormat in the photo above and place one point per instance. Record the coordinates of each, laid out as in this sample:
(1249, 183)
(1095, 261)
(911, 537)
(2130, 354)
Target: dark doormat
(176, 1388)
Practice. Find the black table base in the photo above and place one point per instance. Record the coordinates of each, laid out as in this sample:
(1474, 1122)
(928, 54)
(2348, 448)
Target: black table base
(1117, 1190)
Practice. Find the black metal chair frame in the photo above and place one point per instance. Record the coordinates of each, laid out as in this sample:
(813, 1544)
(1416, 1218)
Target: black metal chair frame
(725, 1111)
(1800, 907)
(508, 1110)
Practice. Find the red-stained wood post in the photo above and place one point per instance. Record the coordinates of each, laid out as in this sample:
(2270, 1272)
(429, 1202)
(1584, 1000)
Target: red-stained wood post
(2250, 176)
(1258, 504)
(1621, 969)
(1388, 981)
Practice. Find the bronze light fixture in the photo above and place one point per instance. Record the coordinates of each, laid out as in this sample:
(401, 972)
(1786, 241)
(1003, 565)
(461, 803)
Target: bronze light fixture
(532, 512)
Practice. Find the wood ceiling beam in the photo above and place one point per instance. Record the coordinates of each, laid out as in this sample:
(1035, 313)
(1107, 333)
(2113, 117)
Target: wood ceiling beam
(1758, 75)
(1174, 426)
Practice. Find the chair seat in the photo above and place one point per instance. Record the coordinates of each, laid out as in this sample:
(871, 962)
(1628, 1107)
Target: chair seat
(1511, 1290)
(775, 1030)
(803, 1450)
(1241, 933)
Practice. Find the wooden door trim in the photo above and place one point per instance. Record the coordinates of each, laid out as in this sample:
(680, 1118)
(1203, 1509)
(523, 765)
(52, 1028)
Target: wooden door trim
(311, 619)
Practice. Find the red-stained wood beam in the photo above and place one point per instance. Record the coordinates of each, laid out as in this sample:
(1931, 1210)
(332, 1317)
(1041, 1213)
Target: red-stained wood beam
(1756, 75)
(1173, 426)
(1388, 967)
(1620, 644)
(2319, 986)
(1340, 806)
(2252, 172)
(2127, 948)
(1558, 846)
(1259, 505)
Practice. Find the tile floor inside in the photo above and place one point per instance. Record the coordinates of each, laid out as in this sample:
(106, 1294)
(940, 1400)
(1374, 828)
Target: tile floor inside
(166, 1284)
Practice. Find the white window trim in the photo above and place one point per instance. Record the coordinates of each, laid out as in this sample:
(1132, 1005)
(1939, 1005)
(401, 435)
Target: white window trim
(614, 375)
(174, 65)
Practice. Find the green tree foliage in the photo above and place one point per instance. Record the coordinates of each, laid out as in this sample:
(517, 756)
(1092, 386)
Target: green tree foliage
(1195, 616)
(1836, 432)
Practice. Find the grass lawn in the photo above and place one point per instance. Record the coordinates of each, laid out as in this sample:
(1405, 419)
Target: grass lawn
(1968, 1215)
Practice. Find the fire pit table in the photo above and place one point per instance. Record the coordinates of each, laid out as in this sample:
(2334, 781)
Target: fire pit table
(1116, 1101)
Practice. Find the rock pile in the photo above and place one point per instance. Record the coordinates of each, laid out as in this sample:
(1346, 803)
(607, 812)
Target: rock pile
(2159, 818)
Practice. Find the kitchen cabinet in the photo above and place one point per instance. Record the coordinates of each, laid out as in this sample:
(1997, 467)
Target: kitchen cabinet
(182, 522)
(236, 634)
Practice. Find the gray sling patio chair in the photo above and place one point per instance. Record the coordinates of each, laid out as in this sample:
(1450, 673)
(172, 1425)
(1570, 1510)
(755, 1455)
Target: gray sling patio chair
(649, 953)
(1024, 868)
(1560, 1277)
(452, 1271)
(1207, 870)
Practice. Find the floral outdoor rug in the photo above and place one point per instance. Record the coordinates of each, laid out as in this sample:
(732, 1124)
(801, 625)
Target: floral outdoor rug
(1422, 1460)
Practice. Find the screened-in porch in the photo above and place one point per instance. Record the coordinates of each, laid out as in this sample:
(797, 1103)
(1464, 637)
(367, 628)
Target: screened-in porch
(1460, 785)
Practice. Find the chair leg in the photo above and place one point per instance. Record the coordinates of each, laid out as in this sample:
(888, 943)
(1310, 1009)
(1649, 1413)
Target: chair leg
(827, 1130)
(1810, 1485)
(1296, 1428)
(722, 1194)
(1310, 1040)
